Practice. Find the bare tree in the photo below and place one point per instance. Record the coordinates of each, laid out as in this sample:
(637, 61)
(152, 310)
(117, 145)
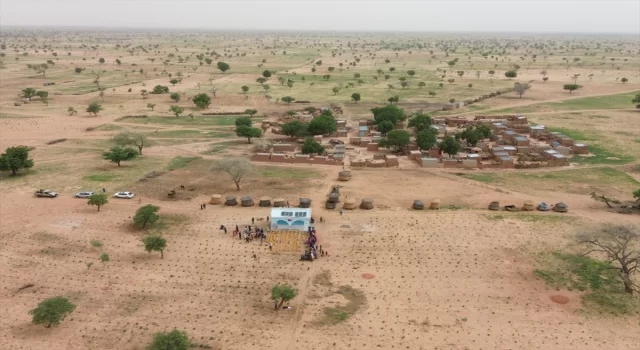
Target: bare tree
(606, 200)
(619, 244)
(520, 88)
(237, 167)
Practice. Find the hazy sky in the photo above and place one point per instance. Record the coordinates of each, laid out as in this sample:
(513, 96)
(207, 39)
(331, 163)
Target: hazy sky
(590, 16)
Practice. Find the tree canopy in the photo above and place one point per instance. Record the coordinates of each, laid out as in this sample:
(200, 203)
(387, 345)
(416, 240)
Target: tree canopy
(396, 139)
(155, 243)
(160, 89)
(266, 74)
(248, 132)
(636, 100)
(146, 216)
(177, 110)
(420, 121)
(295, 128)
(311, 146)
(130, 138)
(322, 125)
(119, 154)
(174, 340)
(384, 127)
(15, 159)
(98, 199)
(94, 108)
(355, 97)
(284, 293)
(288, 99)
(175, 97)
(243, 121)
(511, 74)
(389, 113)
(520, 89)
(237, 167)
(450, 146)
(51, 312)
(571, 87)
(223, 67)
(201, 100)
(427, 138)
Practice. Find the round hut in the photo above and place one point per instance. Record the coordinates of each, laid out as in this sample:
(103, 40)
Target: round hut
(330, 205)
(246, 201)
(344, 175)
(334, 198)
(264, 202)
(215, 199)
(494, 206)
(279, 202)
(349, 204)
(231, 201)
(417, 205)
(367, 203)
(529, 205)
(560, 208)
(305, 203)
(435, 204)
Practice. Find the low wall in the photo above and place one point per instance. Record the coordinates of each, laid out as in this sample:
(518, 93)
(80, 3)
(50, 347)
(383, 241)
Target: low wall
(282, 159)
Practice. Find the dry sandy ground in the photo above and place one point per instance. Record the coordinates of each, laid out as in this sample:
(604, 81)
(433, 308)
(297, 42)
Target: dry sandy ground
(447, 280)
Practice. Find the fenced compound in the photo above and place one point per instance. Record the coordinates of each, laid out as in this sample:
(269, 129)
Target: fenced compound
(287, 241)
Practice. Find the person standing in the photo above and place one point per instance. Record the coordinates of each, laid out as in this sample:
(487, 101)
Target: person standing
(341, 211)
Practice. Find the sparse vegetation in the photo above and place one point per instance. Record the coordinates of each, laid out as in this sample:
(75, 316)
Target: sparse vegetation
(52, 311)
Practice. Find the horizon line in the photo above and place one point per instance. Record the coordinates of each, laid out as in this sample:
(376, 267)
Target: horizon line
(164, 29)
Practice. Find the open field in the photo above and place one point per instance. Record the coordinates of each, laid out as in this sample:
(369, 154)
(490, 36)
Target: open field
(458, 278)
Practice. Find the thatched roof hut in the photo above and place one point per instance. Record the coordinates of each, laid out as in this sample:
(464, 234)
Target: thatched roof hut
(305, 203)
(215, 199)
(529, 205)
(367, 203)
(344, 175)
(279, 202)
(435, 204)
(349, 204)
(417, 205)
(494, 206)
(246, 201)
(264, 202)
(560, 208)
(334, 198)
(231, 201)
(330, 205)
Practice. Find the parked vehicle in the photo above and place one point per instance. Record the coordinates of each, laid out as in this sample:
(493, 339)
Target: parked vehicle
(126, 195)
(46, 193)
(84, 194)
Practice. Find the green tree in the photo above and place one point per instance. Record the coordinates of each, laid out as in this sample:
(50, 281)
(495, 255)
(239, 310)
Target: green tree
(146, 216)
(250, 112)
(288, 99)
(266, 74)
(51, 312)
(393, 99)
(202, 100)
(244, 89)
(151, 106)
(636, 195)
(118, 62)
(248, 132)
(624, 80)
(177, 110)
(471, 135)
(160, 89)
(104, 257)
(426, 138)
(246, 121)
(636, 100)
(284, 293)
(174, 340)
(432, 93)
(98, 199)
(223, 67)
(289, 83)
(484, 131)
(208, 61)
(15, 159)
(322, 125)
(384, 127)
(101, 60)
(390, 112)
(78, 70)
(174, 81)
(119, 154)
(450, 146)
(571, 87)
(411, 73)
(94, 108)
(355, 97)
(294, 128)
(28, 92)
(129, 138)
(282, 80)
(311, 146)
(396, 140)
(511, 74)
(335, 90)
(261, 80)
(420, 121)
(422, 84)
(155, 243)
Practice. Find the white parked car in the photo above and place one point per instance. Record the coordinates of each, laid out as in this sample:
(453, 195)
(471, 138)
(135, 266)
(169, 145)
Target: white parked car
(126, 195)
(84, 194)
